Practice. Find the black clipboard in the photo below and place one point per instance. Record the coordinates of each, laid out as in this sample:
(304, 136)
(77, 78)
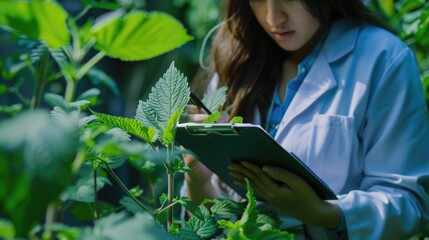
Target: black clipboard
(217, 144)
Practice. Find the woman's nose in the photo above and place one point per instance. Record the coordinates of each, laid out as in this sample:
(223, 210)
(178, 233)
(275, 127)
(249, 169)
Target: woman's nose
(275, 13)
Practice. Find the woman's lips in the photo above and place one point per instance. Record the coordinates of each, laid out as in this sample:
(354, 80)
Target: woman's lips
(283, 35)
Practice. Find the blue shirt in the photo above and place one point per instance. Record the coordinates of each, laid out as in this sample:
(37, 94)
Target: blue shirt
(277, 108)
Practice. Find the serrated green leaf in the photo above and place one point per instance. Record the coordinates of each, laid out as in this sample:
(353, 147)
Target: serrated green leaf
(249, 214)
(226, 208)
(165, 104)
(170, 94)
(44, 20)
(215, 100)
(174, 228)
(186, 234)
(170, 129)
(236, 119)
(224, 224)
(130, 125)
(191, 207)
(267, 219)
(139, 35)
(163, 198)
(213, 117)
(146, 115)
(204, 228)
(179, 166)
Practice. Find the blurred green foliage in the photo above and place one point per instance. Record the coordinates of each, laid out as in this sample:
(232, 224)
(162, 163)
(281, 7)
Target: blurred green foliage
(410, 20)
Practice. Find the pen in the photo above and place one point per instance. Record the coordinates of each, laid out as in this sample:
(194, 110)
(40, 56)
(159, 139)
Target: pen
(199, 104)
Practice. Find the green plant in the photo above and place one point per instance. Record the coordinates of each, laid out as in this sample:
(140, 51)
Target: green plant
(102, 145)
(28, 164)
(55, 163)
(128, 36)
(410, 19)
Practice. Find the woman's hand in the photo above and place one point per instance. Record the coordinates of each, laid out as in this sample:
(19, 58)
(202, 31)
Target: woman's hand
(288, 193)
(198, 115)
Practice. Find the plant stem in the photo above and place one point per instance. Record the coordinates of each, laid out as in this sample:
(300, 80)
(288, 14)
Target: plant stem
(170, 184)
(72, 82)
(122, 185)
(43, 71)
(70, 89)
(170, 199)
(95, 193)
(83, 12)
(85, 68)
(49, 220)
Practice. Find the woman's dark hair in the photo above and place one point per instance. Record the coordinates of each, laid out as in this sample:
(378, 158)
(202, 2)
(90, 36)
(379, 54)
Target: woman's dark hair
(249, 62)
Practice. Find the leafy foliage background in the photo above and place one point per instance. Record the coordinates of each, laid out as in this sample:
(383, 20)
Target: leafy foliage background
(121, 86)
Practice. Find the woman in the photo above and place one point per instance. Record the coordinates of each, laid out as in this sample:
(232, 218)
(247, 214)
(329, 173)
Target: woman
(344, 95)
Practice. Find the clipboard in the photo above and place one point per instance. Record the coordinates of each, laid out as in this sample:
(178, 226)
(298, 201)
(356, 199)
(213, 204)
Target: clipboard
(218, 144)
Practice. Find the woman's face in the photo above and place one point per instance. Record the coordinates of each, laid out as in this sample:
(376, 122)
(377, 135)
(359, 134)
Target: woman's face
(288, 22)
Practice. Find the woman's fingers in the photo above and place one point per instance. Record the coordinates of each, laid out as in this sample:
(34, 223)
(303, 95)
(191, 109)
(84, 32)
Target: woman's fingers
(289, 178)
(258, 179)
(195, 114)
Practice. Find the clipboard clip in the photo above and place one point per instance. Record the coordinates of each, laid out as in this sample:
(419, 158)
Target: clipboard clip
(206, 129)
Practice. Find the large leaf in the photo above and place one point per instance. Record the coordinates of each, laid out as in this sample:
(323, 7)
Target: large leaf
(118, 226)
(83, 189)
(148, 116)
(227, 208)
(204, 228)
(170, 94)
(138, 35)
(215, 100)
(165, 104)
(36, 152)
(44, 20)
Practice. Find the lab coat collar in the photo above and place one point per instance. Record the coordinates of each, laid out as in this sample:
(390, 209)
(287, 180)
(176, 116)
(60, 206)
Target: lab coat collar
(341, 40)
(320, 79)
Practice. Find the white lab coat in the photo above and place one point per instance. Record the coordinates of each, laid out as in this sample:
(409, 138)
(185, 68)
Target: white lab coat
(359, 121)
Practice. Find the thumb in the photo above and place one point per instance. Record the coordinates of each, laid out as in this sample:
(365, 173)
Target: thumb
(224, 117)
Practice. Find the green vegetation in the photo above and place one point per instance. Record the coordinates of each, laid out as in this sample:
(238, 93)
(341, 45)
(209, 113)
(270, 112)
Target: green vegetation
(57, 153)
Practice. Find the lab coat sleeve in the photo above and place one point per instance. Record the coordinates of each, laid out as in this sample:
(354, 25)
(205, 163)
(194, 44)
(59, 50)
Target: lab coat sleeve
(393, 196)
